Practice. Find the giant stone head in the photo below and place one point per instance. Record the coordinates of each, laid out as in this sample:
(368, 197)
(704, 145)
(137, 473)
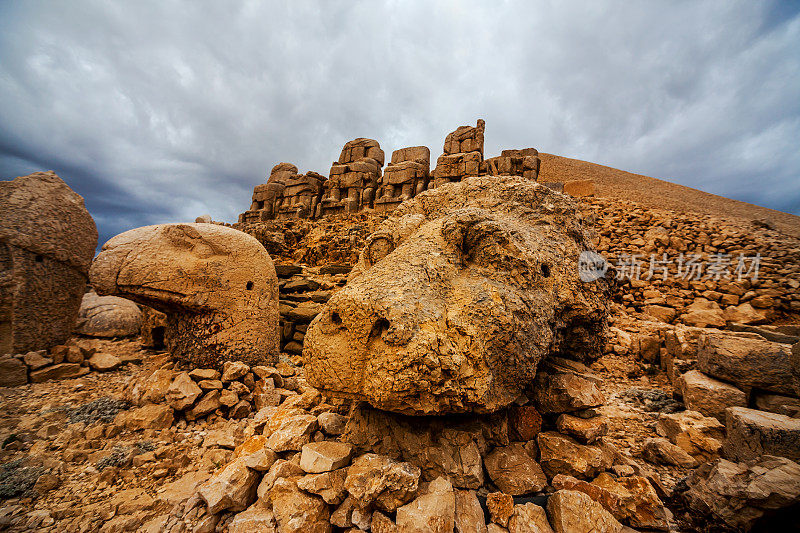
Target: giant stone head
(457, 298)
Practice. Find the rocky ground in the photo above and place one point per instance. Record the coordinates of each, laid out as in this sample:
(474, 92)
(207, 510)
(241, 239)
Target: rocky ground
(71, 462)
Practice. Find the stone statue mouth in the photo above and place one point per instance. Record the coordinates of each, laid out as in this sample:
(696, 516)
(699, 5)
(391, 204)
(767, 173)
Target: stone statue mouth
(164, 300)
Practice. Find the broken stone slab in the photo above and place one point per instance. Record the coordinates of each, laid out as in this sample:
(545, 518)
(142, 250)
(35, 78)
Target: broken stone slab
(290, 430)
(699, 436)
(207, 404)
(709, 396)
(328, 485)
(13, 372)
(752, 433)
(37, 360)
(746, 362)
(255, 453)
(740, 494)
(104, 362)
(60, 371)
(500, 506)
(777, 403)
(586, 430)
(529, 518)
(256, 518)
(469, 517)
(572, 511)
(387, 483)
(183, 392)
(514, 471)
(566, 392)
(433, 512)
(298, 512)
(233, 488)
(642, 506)
(560, 454)
(150, 416)
(324, 456)
(233, 370)
(659, 450)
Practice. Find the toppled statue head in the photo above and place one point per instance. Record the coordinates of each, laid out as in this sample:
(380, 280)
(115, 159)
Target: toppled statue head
(457, 298)
(216, 285)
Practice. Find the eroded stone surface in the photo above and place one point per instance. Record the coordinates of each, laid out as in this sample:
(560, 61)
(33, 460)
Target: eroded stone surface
(454, 301)
(47, 241)
(216, 285)
(108, 316)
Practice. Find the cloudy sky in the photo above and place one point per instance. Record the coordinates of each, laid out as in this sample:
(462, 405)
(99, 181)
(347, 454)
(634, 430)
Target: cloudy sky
(161, 111)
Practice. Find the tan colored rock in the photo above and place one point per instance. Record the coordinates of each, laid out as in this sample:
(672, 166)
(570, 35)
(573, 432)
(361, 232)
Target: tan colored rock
(280, 469)
(382, 523)
(739, 494)
(794, 363)
(575, 512)
(255, 453)
(603, 489)
(233, 370)
(416, 324)
(776, 403)
(13, 372)
(296, 512)
(586, 430)
(514, 471)
(433, 512)
(744, 314)
(150, 416)
(183, 392)
(60, 371)
(746, 362)
(329, 485)
(648, 510)
(699, 436)
(387, 483)
(232, 488)
(469, 516)
(752, 433)
(579, 188)
(258, 518)
(291, 430)
(529, 518)
(709, 396)
(104, 362)
(560, 454)
(331, 423)
(206, 405)
(439, 446)
(575, 389)
(703, 313)
(217, 286)
(324, 456)
(228, 398)
(153, 389)
(108, 316)
(200, 374)
(659, 450)
(37, 360)
(500, 506)
(47, 241)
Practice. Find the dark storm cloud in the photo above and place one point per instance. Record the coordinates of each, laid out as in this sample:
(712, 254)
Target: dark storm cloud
(160, 111)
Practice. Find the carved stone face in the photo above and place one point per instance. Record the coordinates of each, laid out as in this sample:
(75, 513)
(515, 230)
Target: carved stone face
(456, 299)
(216, 285)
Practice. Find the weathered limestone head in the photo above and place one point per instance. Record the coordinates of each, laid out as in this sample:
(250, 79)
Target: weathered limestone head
(217, 286)
(456, 299)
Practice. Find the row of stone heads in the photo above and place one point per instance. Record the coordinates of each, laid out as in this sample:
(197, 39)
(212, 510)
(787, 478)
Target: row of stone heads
(358, 181)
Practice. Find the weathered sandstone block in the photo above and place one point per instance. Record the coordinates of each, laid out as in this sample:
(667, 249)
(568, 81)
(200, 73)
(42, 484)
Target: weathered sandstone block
(47, 241)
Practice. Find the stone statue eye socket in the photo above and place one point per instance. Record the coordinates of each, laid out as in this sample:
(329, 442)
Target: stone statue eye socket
(249, 286)
(378, 248)
(545, 270)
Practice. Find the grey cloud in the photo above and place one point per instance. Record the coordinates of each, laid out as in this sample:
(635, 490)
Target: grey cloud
(160, 111)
